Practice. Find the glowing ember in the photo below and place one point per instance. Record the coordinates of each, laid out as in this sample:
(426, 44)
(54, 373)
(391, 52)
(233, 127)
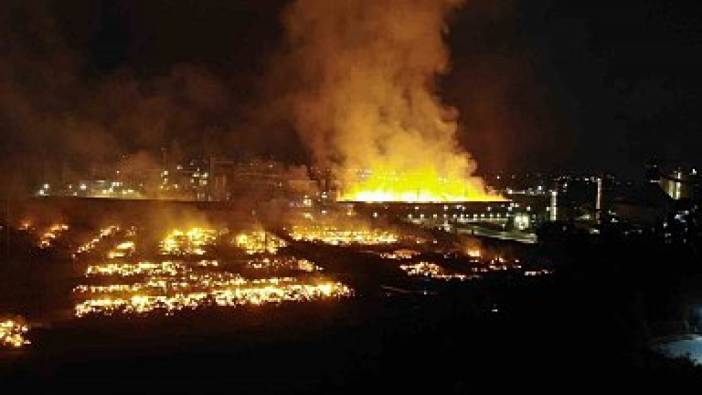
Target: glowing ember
(334, 236)
(122, 250)
(399, 254)
(12, 334)
(278, 263)
(47, 239)
(537, 273)
(173, 286)
(127, 269)
(474, 253)
(92, 244)
(258, 242)
(273, 292)
(424, 186)
(191, 242)
(433, 271)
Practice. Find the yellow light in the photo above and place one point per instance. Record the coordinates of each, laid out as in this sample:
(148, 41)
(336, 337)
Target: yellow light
(169, 287)
(257, 242)
(47, 239)
(399, 254)
(12, 334)
(329, 234)
(382, 184)
(433, 271)
(474, 253)
(191, 242)
(122, 250)
(92, 244)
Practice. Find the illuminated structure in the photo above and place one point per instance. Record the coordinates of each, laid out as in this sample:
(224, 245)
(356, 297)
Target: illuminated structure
(553, 206)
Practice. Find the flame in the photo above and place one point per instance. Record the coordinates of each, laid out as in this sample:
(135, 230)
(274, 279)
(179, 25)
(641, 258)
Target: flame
(258, 242)
(12, 333)
(369, 108)
(190, 242)
(48, 238)
(416, 187)
(169, 287)
(329, 234)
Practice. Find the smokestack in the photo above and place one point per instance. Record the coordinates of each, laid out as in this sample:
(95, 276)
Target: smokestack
(598, 201)
(553, 210)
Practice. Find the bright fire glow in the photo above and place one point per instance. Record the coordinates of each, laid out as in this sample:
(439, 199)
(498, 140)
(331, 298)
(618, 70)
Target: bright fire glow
(12, 334)
(433, 271)
(191, 242)
(169, 287)
(271, 291)
(47, 239)
(284, 262)
(329, 234)
(399, 255)
(92, 244)
(258, 242)
(424, 186)
(474, 253)
(122, 250)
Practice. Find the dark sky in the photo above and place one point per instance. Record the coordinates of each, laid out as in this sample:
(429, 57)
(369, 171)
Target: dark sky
(541, 84)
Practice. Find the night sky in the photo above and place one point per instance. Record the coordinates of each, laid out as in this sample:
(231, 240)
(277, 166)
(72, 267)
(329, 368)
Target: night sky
(541, 85)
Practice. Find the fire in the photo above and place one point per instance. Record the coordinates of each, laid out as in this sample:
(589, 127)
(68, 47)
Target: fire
(190, 242)
(370, 105)
(169, 287)
(122, 250)
(400, 255)
(330, 234)
(93, 243)
(433, 271)
(474, 253)
(47, 239)
(258, 242)
(268, 291)
(284, 262)
(12, 334)
(425, 186)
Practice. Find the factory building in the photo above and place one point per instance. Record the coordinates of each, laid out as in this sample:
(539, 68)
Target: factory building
(510, 215)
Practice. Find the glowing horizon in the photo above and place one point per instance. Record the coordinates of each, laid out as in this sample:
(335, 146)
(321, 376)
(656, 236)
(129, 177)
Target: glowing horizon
(417, 187)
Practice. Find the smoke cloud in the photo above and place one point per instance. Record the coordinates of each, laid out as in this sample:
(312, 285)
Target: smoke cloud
(61, 117)
(366, 97)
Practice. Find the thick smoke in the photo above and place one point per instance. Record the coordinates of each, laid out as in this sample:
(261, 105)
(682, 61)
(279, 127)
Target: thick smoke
(62, 118)
(367, 95)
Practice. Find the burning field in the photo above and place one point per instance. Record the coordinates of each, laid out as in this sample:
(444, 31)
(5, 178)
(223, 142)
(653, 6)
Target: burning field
(360, 90)
(184, 275)
(138, 270)
(186, 293)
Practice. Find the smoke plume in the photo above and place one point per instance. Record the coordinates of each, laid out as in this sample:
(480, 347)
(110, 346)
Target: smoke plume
(63, 118)
(366, 101)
